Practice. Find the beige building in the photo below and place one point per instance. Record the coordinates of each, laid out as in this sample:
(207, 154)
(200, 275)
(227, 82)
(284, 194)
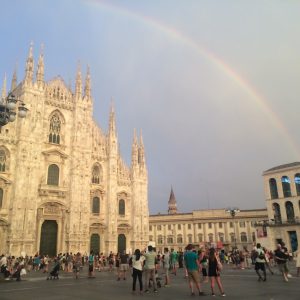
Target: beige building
(204, 227)
(282, 190)
(63, 184)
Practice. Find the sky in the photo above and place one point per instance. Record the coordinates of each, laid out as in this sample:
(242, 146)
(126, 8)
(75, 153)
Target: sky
(213, 85)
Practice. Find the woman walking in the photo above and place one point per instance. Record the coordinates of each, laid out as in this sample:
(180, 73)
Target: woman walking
(214, 272)
(137, 269)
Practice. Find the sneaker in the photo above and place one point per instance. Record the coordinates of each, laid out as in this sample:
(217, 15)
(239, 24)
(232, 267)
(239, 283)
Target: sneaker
(155, 291)
(213, 294)
(223, 295)
(166, 285)
(147, 291)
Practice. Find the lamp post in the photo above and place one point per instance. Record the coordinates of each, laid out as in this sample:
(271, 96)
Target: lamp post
(8, 107)
(233, 211)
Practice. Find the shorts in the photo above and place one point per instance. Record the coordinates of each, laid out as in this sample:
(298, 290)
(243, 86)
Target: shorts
(91, 267)
(260, 266)
(166, 271)
(194, 275)
(283, 268)
(124, 267)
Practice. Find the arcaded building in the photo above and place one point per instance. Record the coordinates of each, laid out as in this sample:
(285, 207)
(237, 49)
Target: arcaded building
(282, 191)
(210, 227)
(63, 185)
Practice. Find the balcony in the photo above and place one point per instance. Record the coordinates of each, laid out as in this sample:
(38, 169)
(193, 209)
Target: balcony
(52, 190)
(278, 223)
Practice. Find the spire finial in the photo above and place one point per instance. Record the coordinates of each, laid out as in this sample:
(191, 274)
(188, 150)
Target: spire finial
(78, 84)
(112, 121)
(40, 69)
(172, 203)
(3, 94)
(29, 65)
(87, 88)
(14, 79)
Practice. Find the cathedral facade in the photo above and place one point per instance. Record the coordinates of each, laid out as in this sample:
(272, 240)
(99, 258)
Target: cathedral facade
(63, 184)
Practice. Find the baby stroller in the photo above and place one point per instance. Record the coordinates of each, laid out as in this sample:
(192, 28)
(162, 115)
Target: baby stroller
(157, 279)
(54, 273)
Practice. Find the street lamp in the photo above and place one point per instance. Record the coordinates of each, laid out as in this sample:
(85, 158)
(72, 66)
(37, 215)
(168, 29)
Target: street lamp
(8, 108)
(233, 211)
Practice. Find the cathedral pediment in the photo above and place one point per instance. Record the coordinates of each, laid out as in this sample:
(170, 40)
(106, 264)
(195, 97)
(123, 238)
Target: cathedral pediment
(57, 89)
(55, 152)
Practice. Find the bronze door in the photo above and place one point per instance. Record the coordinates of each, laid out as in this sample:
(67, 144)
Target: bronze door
(121, 243)
(95, 243)
(48, 242)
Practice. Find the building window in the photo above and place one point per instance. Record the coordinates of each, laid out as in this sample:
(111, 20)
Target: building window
(231, 224)
(170, 240)
(200, 238)
(1, 198)
(286, 186)
(253, 223)
(189, 226)
(210, 237)
(277, 213)
(232, 237)
(151, 238)
(96, 175)
(190, 238)
(122, 207)
(158, 227)
(297, 183)
(159, 239)
(179, 226)
(273, 188)
(242, 224)
(290, 214)
(221, 237)
(209, 225)
(179, 239)
(199, 225)
(243, 237)
(96, 205)
(2, 160)
(220, 225)
(55, 129)
(169, 227)
(150, 228)
(53, 175)
(253, 237)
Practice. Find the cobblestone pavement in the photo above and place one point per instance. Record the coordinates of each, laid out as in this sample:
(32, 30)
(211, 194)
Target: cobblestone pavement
(238, 284)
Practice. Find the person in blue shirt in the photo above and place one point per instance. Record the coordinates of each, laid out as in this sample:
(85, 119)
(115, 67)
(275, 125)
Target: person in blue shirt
(192, 266)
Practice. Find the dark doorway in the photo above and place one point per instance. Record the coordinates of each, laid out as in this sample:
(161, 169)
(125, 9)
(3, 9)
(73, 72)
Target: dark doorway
(48, 243)
(95, 243)
(293, 240)
(121, 243)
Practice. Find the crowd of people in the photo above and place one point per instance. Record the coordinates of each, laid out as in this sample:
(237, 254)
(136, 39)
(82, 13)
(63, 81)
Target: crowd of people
(152, 269)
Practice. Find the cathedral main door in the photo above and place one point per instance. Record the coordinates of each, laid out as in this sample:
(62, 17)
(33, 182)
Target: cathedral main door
(121, 243)
(48, 243)
(95, 243)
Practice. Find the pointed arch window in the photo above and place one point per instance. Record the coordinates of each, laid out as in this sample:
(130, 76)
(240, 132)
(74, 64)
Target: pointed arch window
(96, 205)
(286, 186)
(96, 175)
(53, 175)
(1, 198)
(122, 207)
(273, 188)
(290, 214)
(55, 129)
(297, 183)
(2, 160)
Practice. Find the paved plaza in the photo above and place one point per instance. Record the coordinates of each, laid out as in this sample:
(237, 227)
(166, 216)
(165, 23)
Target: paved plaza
(238, 284)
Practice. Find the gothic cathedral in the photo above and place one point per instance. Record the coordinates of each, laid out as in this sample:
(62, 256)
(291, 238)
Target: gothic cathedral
(63, 185)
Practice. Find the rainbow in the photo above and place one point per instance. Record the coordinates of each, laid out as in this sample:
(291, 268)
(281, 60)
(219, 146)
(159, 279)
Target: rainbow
(258, 99)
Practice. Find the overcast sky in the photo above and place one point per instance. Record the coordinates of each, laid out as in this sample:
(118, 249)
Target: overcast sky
(214, 85)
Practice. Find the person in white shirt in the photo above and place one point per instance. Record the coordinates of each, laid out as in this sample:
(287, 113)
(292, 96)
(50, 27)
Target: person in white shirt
(137, 269)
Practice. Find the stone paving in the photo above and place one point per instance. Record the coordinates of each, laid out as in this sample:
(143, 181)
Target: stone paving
(238, 284)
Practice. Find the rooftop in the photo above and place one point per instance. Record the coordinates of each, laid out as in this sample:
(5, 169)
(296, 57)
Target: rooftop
(285, 166)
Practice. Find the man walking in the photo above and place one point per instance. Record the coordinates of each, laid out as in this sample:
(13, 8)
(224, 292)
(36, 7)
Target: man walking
(260, 263)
